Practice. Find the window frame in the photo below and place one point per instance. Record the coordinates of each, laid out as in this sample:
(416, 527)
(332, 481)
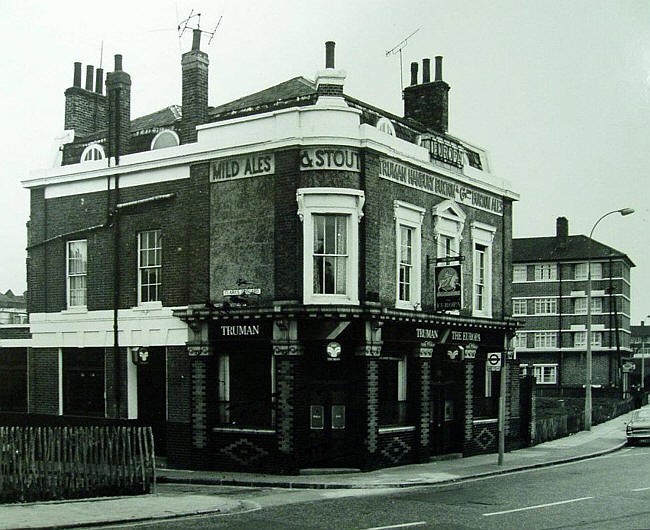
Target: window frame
(516, 307)
(386, 126)
(542, 268)
(517, 271)
(596, 305)
(77, 275)
(482, 240)
(92, 150)
(596, 339)
(331, 201)
(545, 306)
(583, 272)
(157, 267)
(409, 217)
(545, 339)
(401, 403)
(165, 132)
(539, 372)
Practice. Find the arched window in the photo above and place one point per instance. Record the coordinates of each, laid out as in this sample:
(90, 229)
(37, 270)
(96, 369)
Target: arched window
(164, 139)
(93, 152)
(385, 125)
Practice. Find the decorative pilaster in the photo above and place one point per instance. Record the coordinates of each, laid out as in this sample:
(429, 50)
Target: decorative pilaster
(469, 401)
(422, 390)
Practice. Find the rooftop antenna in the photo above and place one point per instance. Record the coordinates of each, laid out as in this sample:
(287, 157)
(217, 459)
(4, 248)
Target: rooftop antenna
(398, 49)
(186, 24)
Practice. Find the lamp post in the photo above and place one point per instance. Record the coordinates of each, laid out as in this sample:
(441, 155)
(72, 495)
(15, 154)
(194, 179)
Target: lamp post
(622, 211)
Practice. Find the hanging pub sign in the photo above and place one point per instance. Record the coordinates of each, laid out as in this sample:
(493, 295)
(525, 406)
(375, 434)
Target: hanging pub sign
(448, 287)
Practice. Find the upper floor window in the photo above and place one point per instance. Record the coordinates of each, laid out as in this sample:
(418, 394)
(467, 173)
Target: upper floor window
(545, 271)
(482, 236)
(76, 265)
(580, 339)
(166, 138)
(580, 305)
(330, 219)
(521, 340)
(545, 339)
(448, 225)
(519, 273)
(408, 223)
(582, 269)
(93, 152)
(519, 307)
(149, 266)
(385, 125)
(544, 306)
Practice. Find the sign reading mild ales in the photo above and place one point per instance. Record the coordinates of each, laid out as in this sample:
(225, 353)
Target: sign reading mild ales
(448, 287)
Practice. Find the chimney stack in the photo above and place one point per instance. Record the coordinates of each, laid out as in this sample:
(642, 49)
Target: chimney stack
(329, 82)
(428, 102)
(562, 232)
(195, 89)
(99, 80)
(118, 92)
(85, 109)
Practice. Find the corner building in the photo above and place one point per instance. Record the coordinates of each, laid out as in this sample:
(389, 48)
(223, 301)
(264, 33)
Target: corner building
(294, 279)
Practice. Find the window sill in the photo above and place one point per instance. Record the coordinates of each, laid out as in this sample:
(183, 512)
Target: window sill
(148, 306)
(75, 310)
(486, 420)
(317, 299)
(408, 306)
(244, 430)
(387, 430)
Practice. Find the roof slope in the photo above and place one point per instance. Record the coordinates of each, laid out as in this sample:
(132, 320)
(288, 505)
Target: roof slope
(529, 249)
(161, 118)
(286, 94)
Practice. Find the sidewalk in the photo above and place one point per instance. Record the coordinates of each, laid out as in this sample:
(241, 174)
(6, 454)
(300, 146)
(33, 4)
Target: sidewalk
(604, 438)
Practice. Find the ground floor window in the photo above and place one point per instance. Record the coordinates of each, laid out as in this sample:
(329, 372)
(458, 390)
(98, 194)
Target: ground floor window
(13, 377)
(393, 401)
(83, 381)
(486, 391)
(245, 388)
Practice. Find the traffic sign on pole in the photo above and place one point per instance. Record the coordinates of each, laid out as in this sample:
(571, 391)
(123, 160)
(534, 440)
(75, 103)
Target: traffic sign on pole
(494, 362)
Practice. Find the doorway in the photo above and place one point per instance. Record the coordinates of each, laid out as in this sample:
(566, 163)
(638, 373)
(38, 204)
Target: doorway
(152, 396)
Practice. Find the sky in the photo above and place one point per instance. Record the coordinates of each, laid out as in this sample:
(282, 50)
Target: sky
(557, 91)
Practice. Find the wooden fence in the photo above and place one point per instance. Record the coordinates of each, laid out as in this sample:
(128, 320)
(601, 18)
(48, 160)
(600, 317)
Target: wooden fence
(43, 463)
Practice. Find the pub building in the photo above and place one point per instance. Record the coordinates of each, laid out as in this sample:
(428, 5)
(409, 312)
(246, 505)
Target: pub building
(291, 280)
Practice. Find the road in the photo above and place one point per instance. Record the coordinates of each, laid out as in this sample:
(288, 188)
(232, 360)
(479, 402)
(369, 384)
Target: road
(610, 492)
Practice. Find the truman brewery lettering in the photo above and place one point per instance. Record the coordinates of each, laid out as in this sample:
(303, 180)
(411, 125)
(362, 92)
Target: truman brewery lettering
(329, 158)
(421, 333)
(465, 336)
(235, 331)
(430, 183)
(242, 167)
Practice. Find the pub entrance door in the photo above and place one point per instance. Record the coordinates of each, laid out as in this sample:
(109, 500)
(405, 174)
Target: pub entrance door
(329, 432)
(447, 407)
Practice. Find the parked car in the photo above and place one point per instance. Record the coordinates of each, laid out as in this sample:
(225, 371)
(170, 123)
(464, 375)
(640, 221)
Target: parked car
(638, 428)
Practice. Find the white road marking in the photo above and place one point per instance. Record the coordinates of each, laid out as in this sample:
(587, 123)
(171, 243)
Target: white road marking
(401, 525)
(641, 489)
(537, 506)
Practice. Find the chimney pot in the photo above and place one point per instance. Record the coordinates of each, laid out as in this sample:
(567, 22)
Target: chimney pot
(329, 54)
(118, 62)
(99, 80)
(426, 70)
(196, 39)
(414, 74)
(438, 67)
(77, 75)
(90, 73)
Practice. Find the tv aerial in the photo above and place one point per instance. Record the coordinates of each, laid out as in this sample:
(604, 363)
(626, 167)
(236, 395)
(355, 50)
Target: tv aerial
(187, 24)
(398, 49)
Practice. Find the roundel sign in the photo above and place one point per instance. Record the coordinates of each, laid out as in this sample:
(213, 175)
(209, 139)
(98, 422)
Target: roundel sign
(494, 361)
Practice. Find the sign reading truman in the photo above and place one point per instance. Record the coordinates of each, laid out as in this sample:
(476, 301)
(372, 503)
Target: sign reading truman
(448, 287)
(242, 167)
(337, 158)
(397, 172)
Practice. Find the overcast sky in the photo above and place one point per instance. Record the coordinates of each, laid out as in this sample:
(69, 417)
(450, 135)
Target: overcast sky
(557, 91)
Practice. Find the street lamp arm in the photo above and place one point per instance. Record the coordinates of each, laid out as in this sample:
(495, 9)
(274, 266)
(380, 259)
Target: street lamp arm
(622, 211)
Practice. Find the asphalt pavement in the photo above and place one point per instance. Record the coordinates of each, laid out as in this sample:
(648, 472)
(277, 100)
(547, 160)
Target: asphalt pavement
(604, 438)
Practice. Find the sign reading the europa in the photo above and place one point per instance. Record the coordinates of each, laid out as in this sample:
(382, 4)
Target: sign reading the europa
(448, 288)
(242, 167)
(337, 158)
(442, 187)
